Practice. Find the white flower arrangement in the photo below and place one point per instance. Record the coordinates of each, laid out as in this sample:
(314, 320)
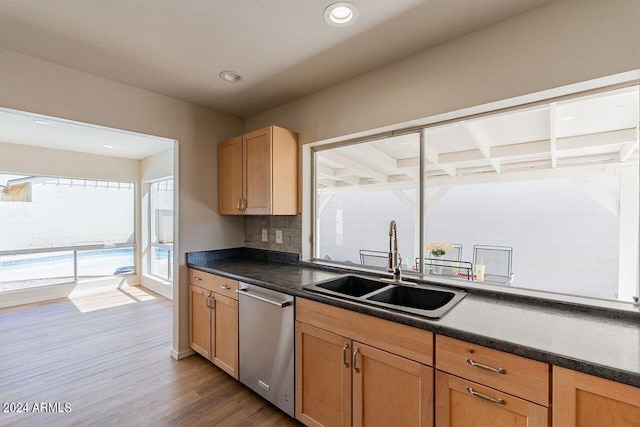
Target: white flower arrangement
(438, 248)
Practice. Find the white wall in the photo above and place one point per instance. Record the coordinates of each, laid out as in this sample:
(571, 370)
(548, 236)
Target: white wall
(37, 86)
(60, 214)
(37, 161)
(557, 44)
(157, 166)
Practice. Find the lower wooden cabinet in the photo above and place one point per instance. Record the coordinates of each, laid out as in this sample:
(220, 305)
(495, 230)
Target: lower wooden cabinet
(583, 400)
(389, 390)
(200, 321)
(462, 403)
(214, 320)
(323, 377)
(341, 380)
(224, 341)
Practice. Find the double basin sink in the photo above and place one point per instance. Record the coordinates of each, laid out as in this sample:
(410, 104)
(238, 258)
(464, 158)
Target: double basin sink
(423, 300)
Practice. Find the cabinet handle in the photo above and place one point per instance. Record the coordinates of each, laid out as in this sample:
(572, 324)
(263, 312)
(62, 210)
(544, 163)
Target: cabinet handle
(485, 367)
(225, 287)
(209, 300)
(498, 400)
(355, 358)
(345, 359)
(239, 203)
(199, 279)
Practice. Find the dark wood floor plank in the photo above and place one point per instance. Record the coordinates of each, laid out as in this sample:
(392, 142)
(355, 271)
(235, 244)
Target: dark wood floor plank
(107, 356)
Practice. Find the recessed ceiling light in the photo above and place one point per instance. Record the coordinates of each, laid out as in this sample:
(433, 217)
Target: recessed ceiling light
(108, 146)
(41, 122)
(340, 14)
(231, 76)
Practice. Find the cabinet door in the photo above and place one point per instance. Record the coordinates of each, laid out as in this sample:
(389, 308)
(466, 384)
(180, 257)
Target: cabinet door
(583, 400)
(230, 176)
(200, 321)
(257, 172)
(390, 390)
(462, 403)
(225, 334)
(323, 377)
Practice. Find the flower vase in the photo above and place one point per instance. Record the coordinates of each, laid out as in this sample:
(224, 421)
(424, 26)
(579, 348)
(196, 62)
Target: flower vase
(437, 267)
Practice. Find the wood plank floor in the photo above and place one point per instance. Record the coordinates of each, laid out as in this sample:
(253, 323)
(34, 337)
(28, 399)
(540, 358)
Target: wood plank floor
(107, 357)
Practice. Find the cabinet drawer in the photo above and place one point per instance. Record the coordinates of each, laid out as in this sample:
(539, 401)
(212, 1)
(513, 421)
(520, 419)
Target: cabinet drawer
(411, 343)
(211, 282)
(200, 278)
(225, 286)
(506, 372)
(463, 403)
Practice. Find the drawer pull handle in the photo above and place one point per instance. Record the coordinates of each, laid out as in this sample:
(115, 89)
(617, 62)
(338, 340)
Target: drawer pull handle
(225, 287)
(482, 396)
(199, 279)
(485, 367)
(345, 359)
(355, 359)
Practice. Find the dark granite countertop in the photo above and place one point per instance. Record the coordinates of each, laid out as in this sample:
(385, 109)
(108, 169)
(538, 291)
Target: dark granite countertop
(589, 341)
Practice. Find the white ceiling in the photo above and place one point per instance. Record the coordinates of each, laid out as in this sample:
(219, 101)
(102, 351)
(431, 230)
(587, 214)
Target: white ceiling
(18, 127)
(283, 47)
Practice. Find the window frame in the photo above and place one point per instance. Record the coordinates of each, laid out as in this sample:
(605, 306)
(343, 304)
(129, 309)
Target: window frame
(454, 117)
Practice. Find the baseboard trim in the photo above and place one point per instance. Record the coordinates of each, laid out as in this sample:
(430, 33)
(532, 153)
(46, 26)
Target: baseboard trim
(163, 288)
(182, 354)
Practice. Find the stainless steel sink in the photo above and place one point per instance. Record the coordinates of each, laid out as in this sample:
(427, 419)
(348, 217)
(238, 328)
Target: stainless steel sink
(424, 300)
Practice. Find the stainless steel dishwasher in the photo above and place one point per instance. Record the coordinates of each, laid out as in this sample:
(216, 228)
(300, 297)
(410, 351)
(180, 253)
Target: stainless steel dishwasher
(266, 344)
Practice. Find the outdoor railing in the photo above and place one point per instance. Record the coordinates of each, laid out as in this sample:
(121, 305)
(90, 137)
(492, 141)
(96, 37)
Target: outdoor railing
(84, 263)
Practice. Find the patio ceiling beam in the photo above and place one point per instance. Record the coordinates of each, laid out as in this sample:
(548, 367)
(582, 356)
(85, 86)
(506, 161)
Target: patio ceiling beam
(542, 148)
(528, 174)
(597, 139)
(411, 207)
(628, 148)
(484, 148)
(433, 202)
(598, 194)
(324, 204)
(386, 186)
(552, 134)
(434, 158)
(372, 157)
(355, 165)
(411, 162)
(626, 151)
(345, 175)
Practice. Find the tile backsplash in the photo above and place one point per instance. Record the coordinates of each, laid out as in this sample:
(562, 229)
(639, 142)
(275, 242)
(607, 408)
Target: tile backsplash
(291, 226)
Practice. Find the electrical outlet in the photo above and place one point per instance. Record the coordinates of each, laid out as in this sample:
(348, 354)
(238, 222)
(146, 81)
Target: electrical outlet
(265, 236)
(279, 236)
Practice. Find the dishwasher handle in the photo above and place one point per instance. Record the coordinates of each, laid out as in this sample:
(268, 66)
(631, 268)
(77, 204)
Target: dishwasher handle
(280, 304)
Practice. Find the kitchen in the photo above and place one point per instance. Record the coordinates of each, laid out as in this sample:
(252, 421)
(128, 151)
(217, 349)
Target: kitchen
(459, 77)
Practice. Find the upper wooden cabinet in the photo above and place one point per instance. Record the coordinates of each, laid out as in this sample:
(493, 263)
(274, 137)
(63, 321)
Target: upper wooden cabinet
(582, 400)
(258, 173)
